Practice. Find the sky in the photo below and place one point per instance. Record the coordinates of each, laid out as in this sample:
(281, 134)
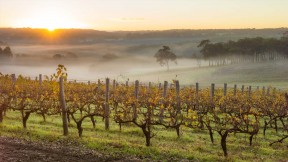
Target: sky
(132, 15)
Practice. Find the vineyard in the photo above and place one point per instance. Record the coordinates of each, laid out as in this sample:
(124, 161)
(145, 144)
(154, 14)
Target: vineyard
(219, 112)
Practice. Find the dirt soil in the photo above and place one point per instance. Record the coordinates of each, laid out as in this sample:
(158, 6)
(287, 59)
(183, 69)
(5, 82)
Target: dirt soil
(15, 150)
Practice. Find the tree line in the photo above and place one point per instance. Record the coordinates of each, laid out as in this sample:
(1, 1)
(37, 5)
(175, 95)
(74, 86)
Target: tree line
(256, 49)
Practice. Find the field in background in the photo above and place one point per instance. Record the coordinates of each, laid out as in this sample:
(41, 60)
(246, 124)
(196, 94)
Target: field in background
(146, 69)
(259, 74)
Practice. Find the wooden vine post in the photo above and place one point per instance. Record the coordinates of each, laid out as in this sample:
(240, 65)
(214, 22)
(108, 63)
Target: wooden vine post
(136, 97)
(14, 79)
(40, 80)
(197, 94)
(225, 89)
(39, 96)
(177, 86)
(63, 107)
(159, 86)
(197, 90)
(164, 97)
(114, 85)
(107, 111)
(212, 93)
(249, 91)
(242, 89)
(268, 91)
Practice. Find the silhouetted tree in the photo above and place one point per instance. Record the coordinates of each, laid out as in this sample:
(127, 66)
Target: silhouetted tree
(164, 55)
(58, 56)
(285, 34)
(203, 43)
(6, 52)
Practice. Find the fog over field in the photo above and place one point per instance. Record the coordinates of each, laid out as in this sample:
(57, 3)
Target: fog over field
(123, 56)
(87, 66)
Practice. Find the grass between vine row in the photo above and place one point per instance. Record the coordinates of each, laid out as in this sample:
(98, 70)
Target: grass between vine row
(193, 145)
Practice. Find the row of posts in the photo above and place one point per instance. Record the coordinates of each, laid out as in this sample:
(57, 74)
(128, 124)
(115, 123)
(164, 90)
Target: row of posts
(235, 90)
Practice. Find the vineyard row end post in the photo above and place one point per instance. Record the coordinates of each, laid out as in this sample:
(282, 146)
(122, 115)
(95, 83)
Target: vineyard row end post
(63, 107)
(107, 111)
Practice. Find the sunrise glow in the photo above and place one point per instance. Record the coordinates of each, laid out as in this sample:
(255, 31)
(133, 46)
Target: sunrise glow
(143, 15)
(49, 20)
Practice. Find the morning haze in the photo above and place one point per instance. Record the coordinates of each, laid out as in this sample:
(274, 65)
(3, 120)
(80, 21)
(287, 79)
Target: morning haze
(92, 55)
(119, 39)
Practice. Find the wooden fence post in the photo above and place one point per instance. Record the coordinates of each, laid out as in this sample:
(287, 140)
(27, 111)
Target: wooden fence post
(249, 91)
(63, 107)
(107, 111)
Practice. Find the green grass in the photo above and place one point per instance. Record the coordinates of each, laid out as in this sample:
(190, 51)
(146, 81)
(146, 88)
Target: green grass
(193, 145)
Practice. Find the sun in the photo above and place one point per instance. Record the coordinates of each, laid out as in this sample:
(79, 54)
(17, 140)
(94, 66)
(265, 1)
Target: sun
(51, 29)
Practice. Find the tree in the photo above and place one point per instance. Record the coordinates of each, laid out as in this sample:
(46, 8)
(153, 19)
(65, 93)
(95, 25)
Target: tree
(285, 34)
(6, 52)
(203, 43)
(164, 55)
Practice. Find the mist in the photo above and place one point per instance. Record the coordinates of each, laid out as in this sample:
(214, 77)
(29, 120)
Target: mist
(99, 61)
(89, 62)
(130, 56)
